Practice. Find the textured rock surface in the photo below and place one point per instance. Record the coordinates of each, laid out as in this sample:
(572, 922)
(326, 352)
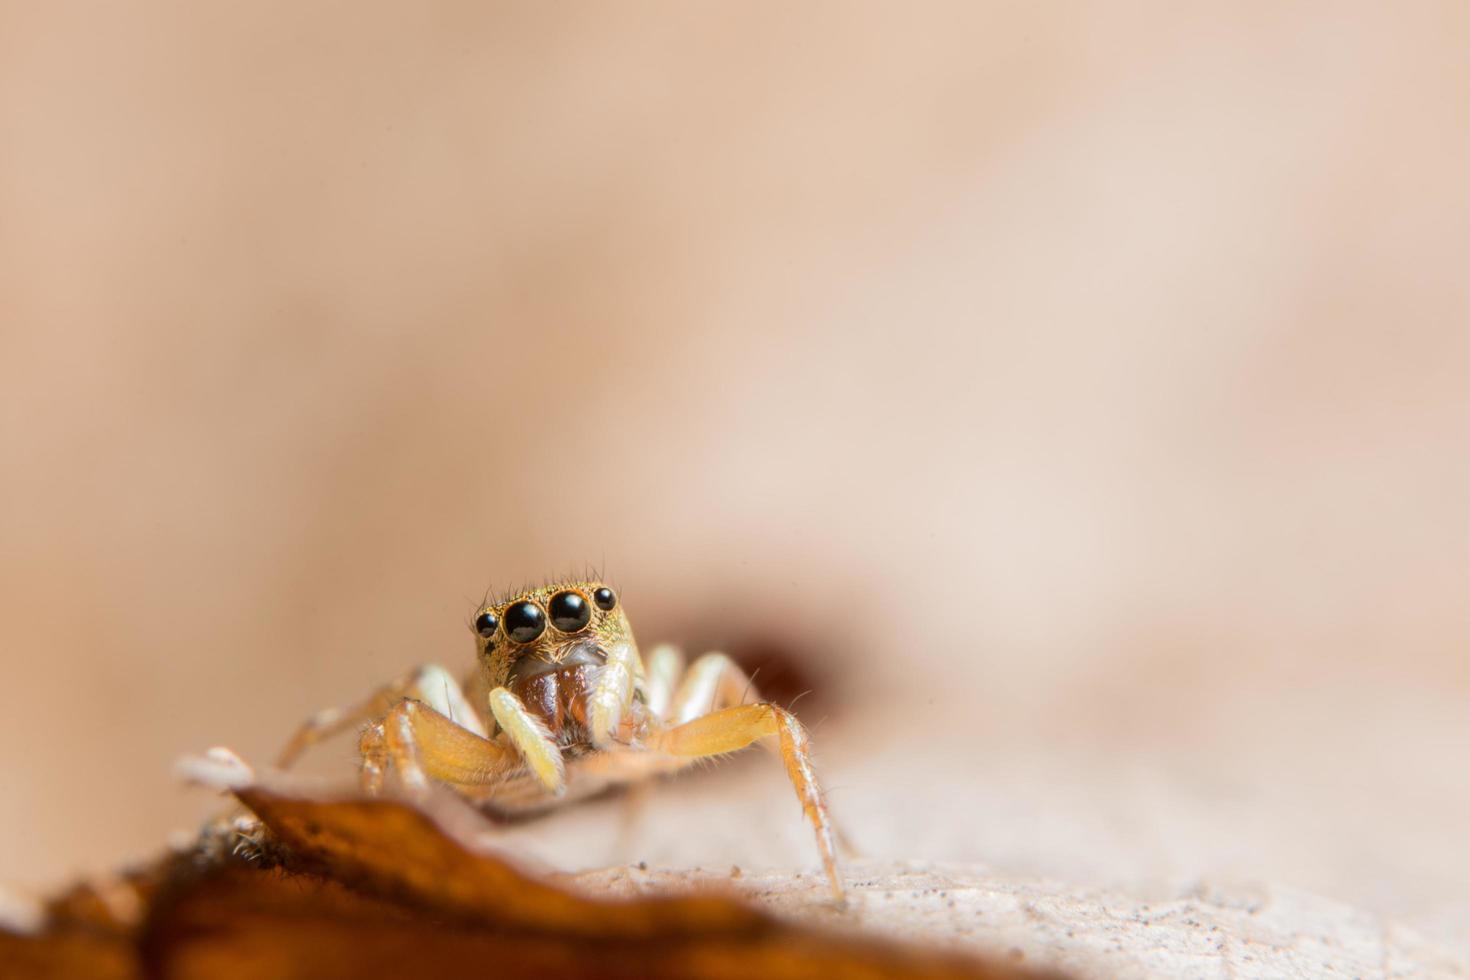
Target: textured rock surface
(1206, 931)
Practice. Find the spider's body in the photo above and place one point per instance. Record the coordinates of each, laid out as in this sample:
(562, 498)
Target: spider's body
(561, 705)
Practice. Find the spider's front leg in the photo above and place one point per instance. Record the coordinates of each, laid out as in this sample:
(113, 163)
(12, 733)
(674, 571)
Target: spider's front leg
(714, 684)
(430, 684)
(419, 743)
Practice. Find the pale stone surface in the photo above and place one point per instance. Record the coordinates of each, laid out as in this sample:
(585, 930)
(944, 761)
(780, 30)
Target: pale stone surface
(1204, 931)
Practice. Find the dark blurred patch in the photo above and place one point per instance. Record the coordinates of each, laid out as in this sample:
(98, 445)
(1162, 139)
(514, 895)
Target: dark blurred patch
(783, 669)
(353, 887)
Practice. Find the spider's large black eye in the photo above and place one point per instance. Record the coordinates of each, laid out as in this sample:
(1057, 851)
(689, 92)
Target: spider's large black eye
(569, 611)
(604, 598)
(485, 624)
(524, 621)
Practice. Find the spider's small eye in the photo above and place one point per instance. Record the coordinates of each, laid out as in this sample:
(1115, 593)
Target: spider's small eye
(524, 621)
(604, 598)
(569, 611)
(485, 624)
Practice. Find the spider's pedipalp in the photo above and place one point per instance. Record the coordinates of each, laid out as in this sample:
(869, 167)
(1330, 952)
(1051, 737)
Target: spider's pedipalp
(528, 733)
(611, 694)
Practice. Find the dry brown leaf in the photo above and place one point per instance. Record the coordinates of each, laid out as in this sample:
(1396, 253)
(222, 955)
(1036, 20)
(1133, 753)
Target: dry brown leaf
(338, 885)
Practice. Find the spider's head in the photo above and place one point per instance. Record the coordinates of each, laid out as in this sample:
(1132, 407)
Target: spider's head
(554, 628)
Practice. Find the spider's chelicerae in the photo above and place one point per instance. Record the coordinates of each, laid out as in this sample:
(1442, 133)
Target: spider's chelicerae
(561, 705)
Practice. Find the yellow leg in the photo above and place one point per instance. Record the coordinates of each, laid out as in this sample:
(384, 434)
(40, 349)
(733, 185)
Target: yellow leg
(734, 728)
(419, 743)
(431, 684)
(712, 681)
(665, 664)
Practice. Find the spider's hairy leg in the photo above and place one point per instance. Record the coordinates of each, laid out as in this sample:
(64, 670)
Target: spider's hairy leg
(733, 728)
(611, 694)
(665, 664)
(712, 681)
(418, 743)
(528, 734)
(372, 747)
(430, 683)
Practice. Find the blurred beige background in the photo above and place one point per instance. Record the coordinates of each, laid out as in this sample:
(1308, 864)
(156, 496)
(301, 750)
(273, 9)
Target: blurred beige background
(1079, 393)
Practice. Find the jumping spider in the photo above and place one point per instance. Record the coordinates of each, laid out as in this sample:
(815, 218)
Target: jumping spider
(560, 706)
